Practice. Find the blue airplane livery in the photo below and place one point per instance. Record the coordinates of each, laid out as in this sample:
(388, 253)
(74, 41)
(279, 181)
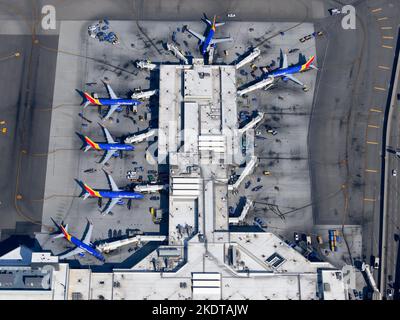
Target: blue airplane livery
(115, 194)
(286, 73)
(81, 246)
(113, 102)
(111, 147)
(207, 41)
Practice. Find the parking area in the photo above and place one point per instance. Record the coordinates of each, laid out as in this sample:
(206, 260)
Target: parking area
(83, 63)
(280, 185)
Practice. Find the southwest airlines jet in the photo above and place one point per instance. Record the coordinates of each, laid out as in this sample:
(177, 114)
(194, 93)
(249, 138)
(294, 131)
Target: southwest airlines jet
(82, 246)
(208, 40)
(110, 148)
(113, 102)
(115, 194)
(286, 73)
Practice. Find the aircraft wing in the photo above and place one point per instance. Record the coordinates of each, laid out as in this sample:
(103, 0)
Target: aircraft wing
(215, 41)
(71, 253)
(197, 35)
(290, 77)
(109, 138)
(284, 61)
(110, 205)
(110, 111)
(112, 183)
(111, 92)
(107, 155)
(88, 235)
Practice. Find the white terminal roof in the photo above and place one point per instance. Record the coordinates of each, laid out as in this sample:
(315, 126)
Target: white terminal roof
(197, 120)
(204, 259)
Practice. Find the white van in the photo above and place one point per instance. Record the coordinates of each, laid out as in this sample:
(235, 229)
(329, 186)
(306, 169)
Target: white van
(376, 263)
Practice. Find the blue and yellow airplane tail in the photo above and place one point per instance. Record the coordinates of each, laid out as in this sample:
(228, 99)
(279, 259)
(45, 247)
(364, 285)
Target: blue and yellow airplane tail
(85, 101)
(62, 231)
(213, 24)
(87, 143)
(88, 99)
(308, 64)
(90, 144)
(87, 191)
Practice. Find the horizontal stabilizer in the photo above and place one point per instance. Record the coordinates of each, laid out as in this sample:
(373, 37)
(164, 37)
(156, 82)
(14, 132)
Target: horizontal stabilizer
(215, 41)
(60, 233)
(85, 192)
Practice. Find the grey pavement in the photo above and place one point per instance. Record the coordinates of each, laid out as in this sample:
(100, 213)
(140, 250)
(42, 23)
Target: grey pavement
(390, 264)
(175, 10)
(28, 81)
(346, 125)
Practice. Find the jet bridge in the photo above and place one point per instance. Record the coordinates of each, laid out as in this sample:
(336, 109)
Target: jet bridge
(252, 123)
(249, 167)
(258, 85)
(245, 210)
(177, 53)
(252, 56)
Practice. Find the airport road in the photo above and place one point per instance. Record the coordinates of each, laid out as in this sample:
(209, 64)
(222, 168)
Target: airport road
(390, 264)
(173, 10)
(346, 126)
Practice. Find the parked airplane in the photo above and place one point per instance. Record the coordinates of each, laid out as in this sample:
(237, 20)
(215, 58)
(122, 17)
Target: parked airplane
(82, 246)
(113, 102)
(111, 147)
(115, 194)
(286, 73)
(207, 41)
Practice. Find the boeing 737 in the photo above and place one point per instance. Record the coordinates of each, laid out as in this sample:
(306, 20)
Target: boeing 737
(115, 194)
(286, 73)
(111, 147)
(82, 246)
(114, 103)
(207, 41)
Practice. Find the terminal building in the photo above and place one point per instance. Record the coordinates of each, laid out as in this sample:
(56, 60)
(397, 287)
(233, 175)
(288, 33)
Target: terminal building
(205, 258)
